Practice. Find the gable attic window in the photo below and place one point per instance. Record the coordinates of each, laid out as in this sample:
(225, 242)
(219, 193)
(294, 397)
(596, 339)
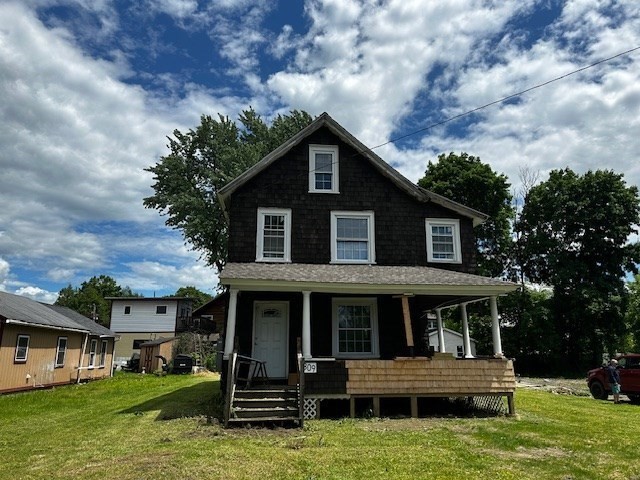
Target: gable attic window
(273, 238)
(352, 237)
(127, 310)
(443, 240)
(161, 310)
(323, 169)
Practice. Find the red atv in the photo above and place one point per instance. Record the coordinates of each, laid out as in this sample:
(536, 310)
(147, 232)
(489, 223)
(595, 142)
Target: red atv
(629, 368)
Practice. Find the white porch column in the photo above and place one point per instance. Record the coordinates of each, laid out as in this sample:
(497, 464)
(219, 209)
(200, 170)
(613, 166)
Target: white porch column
(306, 325)
(495, 327)
(465, 331)
(440, 331)
(230, 330)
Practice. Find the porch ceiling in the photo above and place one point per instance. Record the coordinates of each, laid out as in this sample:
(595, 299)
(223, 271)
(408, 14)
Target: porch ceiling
(369, 279)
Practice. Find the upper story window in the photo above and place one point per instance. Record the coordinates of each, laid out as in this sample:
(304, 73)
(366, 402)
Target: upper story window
(61, 351)
(127, 310)
(273, 238)
(161, 309)
(352, 237)
(323, 169)
(443, 240)
(22, 348)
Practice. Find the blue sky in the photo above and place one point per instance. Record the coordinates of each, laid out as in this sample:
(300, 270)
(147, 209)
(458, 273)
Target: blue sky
(90, 90)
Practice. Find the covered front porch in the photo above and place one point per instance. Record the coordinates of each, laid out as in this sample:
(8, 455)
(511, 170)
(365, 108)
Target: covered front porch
(361, 331)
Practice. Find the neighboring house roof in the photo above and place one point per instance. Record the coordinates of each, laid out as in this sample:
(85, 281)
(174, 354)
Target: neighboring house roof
(93, 327)
(364, 278)
(23, 310)
(384, 168)
(158, 341)
(147, 299)
(220, 298)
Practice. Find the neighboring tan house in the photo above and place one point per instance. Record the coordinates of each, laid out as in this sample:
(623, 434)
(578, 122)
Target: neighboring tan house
(332, 250)
(139, 319)
(46, 345)
(209, 318)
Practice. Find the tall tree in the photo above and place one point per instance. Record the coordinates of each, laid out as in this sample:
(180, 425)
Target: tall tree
(465, 179)
(89, 298)
(198, 297)
(574, 232)
(201, 162)
(633, 316)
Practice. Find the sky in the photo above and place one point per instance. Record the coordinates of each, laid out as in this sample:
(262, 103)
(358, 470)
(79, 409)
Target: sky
(91, 89)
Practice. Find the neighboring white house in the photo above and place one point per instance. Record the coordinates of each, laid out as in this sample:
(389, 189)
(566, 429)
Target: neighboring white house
(138, 320)
(453, 342)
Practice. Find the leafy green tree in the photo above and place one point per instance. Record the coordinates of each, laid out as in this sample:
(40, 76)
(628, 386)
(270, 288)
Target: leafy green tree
(198, 297)
(202, 161)
(465, 179)
(574, 233)
(89, 298)
(633, 316)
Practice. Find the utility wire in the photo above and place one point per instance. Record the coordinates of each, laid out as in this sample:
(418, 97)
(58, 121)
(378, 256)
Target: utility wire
(455, 117)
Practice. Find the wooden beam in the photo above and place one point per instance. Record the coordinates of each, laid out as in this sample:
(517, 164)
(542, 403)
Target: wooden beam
(406, 313)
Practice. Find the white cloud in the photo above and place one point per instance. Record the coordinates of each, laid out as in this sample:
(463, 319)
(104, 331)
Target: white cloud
(37, 294)
(156, 276)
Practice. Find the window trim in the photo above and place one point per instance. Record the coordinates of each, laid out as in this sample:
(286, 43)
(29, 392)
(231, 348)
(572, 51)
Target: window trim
(371, 241)
(93, 348)
(335, 178)
(457, 249)
(166, 309)
(17, 359)
(286, 213)
(355, 301)
(64, 353)
(104, 345)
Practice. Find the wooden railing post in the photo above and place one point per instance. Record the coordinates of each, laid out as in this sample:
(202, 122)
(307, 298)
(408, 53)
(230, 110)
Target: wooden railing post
(231, 386)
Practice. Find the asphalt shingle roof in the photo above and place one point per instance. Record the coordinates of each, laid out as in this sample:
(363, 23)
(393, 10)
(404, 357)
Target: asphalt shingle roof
(15, 307)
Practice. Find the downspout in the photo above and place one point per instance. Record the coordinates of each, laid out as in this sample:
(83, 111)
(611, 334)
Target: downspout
(84, 349)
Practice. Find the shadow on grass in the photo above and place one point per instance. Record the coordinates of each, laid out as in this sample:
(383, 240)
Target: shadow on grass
(203, 399)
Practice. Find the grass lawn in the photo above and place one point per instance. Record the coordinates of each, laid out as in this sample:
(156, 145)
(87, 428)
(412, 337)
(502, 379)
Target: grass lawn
(143, 426)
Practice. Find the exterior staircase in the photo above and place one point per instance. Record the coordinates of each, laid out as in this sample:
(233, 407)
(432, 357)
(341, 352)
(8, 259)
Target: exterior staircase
(273, 404)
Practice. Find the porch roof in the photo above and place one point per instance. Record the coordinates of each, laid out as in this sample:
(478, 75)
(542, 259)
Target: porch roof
(373, 279)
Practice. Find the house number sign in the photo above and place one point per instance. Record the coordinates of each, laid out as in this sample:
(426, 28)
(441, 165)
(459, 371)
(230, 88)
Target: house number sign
(311, 367)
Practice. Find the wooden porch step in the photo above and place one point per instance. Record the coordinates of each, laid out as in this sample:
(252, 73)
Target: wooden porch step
(262, 413)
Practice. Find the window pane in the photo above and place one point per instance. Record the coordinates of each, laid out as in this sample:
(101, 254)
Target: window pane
(22, 347)
(324, 162)
(354, 329)
(274, 236)
(323, 181)
(442, 242)
(352, 237)
(62, 350)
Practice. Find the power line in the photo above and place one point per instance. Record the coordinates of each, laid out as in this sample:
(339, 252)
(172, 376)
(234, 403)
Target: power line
(455, 117)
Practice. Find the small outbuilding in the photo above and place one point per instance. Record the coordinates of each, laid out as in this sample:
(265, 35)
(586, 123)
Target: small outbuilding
(154, 353)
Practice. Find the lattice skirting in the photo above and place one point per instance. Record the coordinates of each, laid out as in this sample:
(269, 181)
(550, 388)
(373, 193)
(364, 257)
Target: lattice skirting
(310, 409)
(493, 404)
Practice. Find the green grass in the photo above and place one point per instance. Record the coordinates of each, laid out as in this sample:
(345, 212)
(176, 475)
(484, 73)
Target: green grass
(135, 426)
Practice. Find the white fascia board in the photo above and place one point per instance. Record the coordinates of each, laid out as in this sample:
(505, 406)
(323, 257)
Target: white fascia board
(290, 286)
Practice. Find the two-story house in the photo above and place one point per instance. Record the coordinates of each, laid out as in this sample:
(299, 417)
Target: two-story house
(330, 245)
(142, 319)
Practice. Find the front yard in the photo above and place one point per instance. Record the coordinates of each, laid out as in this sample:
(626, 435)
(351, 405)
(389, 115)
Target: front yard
(143, 426)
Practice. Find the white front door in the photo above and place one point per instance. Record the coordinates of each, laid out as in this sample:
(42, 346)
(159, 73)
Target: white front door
(270, 336)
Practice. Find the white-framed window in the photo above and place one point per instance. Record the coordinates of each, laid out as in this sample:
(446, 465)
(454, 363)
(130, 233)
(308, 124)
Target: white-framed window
(355, 327)
(22, 349)
(273, 238)
(443, 240)
(103, 353)
(323, 169)
(353, 237)
(61, 351)
(92, 352)
(127, 309)
(161, 309)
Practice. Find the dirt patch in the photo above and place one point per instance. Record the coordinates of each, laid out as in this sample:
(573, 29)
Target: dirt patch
(561, 386)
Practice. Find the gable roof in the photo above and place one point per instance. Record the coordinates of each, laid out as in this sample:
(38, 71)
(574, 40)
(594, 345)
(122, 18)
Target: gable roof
(23, 310)
(383, 167)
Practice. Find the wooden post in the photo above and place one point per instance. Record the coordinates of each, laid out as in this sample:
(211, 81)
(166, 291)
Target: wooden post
(408, 329)
(511, 403)
(352, 407)
(376, 406)
(414, 407)
(230, 329)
